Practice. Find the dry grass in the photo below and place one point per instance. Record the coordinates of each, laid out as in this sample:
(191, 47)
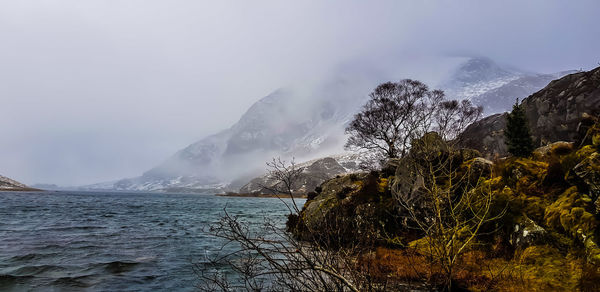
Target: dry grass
(538, 268)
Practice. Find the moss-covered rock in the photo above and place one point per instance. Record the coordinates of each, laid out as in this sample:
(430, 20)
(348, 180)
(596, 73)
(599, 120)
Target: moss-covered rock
(549, 230)
(588, 172)
(550, 151)
(569, 214)
(348, 209)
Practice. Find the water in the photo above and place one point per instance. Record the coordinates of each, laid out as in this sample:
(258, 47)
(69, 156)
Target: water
(93, 241)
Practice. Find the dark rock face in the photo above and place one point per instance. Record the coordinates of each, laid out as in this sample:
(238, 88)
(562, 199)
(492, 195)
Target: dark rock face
(555, 111)
(481, 167)
(486, 136)
(554, 114)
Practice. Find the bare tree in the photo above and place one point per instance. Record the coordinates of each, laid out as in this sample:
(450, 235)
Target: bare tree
(391, 117)
(445, 198)
(452, 117)
(285, 180)
(267, 257)
(398, 113)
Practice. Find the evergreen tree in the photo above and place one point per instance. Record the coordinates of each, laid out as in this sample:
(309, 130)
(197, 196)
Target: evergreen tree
(517, 135)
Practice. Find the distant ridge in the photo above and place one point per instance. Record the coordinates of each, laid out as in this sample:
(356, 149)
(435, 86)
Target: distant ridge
(7, 184)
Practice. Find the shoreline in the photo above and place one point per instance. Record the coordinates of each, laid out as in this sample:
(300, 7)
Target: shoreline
(22, 190)
(258, 195)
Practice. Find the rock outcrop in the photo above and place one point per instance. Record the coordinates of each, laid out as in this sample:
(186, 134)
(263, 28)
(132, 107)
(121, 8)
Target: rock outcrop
(314, 173)
(554, 114)
(7, 184)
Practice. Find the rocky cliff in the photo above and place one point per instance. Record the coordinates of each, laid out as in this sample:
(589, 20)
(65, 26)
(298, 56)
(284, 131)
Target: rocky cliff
(558, 112)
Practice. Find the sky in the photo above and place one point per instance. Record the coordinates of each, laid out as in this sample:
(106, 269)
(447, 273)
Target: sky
(93, 91)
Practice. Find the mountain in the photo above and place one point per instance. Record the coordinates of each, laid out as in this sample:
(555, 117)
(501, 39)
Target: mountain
(561, 111)
(7, 184)
(493, 87)
(286, 123)
(308, 122)
(498, 100)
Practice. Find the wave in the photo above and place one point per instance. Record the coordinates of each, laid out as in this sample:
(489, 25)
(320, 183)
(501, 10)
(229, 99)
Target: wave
(31, 257)
(68, 228)
(72, 281)
(36, 270)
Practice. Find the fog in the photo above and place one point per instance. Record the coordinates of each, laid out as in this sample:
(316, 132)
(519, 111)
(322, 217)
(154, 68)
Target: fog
(92, 91)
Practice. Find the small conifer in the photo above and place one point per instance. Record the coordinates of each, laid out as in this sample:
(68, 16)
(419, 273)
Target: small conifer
(518, 138)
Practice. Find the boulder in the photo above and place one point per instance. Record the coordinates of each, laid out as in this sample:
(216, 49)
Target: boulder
(545, 153)
(527, 233)
(588, 172)
(407, 186)
(480, 167)
(408, 183)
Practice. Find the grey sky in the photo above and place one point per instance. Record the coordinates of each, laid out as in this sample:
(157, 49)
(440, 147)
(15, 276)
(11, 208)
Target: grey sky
(99, 90)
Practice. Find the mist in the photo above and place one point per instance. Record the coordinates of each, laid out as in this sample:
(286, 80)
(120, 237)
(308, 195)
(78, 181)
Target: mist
(94, 91)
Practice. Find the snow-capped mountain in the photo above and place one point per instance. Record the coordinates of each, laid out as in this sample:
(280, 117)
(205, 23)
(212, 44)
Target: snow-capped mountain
(283, 123)
(494, 87)
(501, 98)
(309, 123)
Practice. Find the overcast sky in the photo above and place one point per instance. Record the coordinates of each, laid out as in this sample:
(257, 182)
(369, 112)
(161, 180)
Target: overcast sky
(92, 91)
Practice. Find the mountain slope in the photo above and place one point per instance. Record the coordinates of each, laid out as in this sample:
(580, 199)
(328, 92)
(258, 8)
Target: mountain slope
(309, 123)
(7, 184)
(498, 100)
(495, 88)
(280, 124)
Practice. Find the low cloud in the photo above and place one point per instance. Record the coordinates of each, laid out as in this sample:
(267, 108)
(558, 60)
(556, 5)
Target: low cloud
(100, 90)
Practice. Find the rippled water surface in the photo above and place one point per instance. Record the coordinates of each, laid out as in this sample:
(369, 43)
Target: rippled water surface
(92, 241)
